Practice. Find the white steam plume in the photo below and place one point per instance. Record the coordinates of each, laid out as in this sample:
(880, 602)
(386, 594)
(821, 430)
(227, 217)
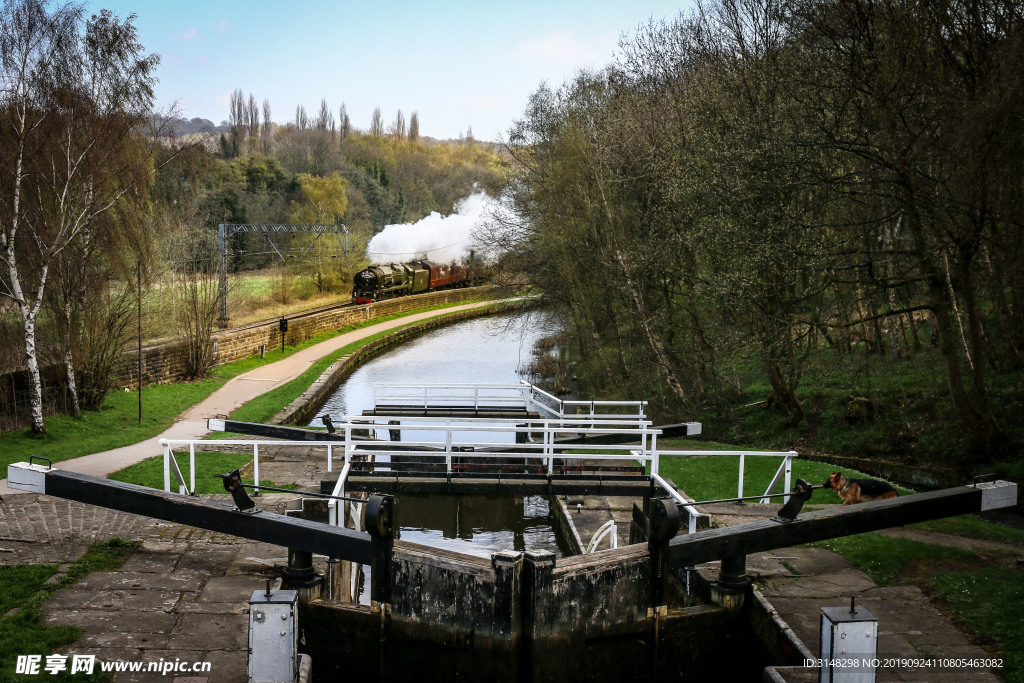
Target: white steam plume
(442, 239)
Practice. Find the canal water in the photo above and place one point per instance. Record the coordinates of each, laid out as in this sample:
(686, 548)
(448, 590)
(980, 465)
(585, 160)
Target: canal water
(490, 350)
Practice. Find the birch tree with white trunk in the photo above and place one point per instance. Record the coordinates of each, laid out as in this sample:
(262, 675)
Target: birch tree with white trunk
(74, 95)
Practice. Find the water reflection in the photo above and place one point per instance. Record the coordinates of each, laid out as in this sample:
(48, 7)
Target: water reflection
(478, 525)
(489, 350)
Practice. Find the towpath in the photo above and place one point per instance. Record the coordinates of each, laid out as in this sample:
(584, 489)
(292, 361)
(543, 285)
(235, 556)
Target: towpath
(192, 423)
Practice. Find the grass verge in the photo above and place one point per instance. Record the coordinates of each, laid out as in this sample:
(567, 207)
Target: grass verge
(714, 477)
(985, 601)
(24, 588)
(150, 472)
(887, 559)
(973, 527)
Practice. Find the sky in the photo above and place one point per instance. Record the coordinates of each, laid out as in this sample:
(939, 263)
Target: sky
(460, 65)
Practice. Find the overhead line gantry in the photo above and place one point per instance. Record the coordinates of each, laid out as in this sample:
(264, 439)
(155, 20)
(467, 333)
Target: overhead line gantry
(226, 230)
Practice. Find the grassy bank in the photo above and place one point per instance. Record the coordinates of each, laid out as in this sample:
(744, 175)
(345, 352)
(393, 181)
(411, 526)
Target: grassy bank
(713, 477)
(870, 406)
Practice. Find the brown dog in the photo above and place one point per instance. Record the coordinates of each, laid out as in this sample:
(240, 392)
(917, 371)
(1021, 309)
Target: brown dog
(854, 491)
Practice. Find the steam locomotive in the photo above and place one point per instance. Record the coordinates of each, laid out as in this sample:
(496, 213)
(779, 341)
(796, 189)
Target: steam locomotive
(387, 281)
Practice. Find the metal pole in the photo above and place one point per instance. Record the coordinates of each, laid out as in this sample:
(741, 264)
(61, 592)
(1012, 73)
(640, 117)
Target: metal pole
(138, 284)
(223, 268)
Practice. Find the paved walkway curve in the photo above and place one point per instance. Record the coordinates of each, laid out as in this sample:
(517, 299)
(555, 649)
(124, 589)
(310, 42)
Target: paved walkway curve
(192, 423)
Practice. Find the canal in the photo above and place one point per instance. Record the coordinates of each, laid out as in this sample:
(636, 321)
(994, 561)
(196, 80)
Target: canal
(489, 350)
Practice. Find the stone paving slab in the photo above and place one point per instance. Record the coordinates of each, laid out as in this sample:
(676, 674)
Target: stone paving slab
(117, 600)
(182, 580)
(818, 573)
(228, 667)
(109, 629)
(228, 588)
(162, 562)
(211, 632)
(211, 561)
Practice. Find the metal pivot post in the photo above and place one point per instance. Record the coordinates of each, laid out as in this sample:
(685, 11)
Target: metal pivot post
(663, 525)
(379, 524)
(849, 645)
(301, 576)
(730, 589)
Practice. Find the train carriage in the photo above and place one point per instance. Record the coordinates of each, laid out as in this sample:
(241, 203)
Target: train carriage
(386, 281)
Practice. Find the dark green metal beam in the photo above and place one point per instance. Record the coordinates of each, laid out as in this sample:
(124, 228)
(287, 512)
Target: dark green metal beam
(269, 527)
(844, 520)
(539, 486)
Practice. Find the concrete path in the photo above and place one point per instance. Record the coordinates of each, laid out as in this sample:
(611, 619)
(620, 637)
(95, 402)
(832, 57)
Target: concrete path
(192, 423)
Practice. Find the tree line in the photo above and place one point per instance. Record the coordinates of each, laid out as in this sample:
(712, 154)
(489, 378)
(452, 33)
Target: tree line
(758, 180)
(100, 199)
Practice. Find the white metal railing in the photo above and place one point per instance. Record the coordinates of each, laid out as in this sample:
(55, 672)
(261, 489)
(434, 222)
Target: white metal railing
(691, 511)
(538, 398)
(171, 464)
(785, 469)
(547, 449)
(609, 529)
(543, 446)
(523, 395)
(446, 395)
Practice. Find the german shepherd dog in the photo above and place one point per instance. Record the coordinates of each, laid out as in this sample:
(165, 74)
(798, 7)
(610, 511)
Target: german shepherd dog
(854, 491)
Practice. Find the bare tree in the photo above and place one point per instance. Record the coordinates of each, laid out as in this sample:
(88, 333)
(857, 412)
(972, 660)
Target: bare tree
(196, 292)
(397, 129)
(325, 118)
(265, 130)
(237, 120)
(252, 118)
(344, 124)
(301, 118)
(71, 106)
(377, 123)
(414, 127)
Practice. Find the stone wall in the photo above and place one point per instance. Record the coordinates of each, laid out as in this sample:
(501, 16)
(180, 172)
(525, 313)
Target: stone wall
(164, 363)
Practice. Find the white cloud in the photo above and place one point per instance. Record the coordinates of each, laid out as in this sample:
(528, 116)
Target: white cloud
(190, 34)
(223, 25)
(481, 102)
(223, 101)
(564, 46)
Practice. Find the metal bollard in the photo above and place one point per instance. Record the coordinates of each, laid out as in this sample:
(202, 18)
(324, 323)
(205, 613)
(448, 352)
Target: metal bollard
(849, 644)
(273, 636)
